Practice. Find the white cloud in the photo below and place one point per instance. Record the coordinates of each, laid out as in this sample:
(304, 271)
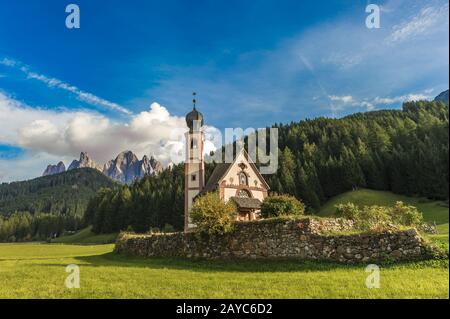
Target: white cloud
(8, 62)
(344, 98)
(63, 134)
(53, 82)
(421, 24)
(401, 99)
(345, 101)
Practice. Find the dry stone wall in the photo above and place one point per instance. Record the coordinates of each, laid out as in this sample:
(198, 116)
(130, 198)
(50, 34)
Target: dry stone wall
(307, 238)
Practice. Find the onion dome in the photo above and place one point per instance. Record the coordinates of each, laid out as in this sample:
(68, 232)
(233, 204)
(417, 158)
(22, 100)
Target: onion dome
(194, 118)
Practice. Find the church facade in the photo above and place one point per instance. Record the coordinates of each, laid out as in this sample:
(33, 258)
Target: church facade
(239, 181)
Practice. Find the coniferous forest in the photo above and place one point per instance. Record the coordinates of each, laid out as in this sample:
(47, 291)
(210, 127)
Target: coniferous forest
(47, 206)
(404, 151)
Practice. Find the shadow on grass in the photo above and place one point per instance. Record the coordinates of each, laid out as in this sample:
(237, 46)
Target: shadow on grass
(234, 265)
(204, 265)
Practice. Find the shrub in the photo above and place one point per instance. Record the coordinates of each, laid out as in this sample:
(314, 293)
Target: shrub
(213, 216)
(348, 211)
(406, 215)
(281, 205)
(380, 218)
(375, 218)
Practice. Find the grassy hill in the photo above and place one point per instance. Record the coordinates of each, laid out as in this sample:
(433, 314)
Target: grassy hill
(65, 193)
(86, 236)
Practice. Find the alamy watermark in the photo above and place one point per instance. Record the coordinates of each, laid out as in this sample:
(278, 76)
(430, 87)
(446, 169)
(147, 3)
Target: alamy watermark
(373, 19)
(373, 279)
(262, 146)
(73, 19)
(73, 279)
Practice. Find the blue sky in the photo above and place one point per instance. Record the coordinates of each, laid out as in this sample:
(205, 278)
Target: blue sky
(252, 63)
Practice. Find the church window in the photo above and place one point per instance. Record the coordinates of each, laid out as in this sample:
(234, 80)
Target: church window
(193, 143)
(243, 179)
(243, 193)
(193, 177)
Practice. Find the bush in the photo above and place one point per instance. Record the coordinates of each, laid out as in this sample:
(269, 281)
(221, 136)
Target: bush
(406, 215)
(281, 205)
(213, 216)
(380, 218)
(347, 211)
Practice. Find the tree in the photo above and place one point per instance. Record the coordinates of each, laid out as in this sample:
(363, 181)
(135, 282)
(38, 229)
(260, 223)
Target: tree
(212, 215)
(281, 205)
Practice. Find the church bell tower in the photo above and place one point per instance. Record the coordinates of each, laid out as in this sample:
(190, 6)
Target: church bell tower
(194, 167)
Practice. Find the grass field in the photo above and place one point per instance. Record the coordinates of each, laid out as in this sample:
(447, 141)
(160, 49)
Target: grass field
(38, 270)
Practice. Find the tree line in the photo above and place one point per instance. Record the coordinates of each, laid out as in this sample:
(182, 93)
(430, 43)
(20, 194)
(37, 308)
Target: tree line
(23, 226)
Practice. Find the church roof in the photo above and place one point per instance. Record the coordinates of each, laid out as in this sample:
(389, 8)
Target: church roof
(213, 182)
(247, 202)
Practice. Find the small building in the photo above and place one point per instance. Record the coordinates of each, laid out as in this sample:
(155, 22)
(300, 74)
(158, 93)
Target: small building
(239, 181)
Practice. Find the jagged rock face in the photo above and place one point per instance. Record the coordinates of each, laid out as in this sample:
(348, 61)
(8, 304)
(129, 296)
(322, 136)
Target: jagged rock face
(84, 161)
(125, 168)
(54, 169)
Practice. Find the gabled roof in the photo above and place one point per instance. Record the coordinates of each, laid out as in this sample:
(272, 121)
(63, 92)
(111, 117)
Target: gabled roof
(222, 169)
(219, 171)
(247, 202)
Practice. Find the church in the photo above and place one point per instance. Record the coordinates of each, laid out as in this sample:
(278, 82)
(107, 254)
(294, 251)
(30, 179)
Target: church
(239, 181)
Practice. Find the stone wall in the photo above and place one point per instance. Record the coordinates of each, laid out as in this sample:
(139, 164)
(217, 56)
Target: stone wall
(307, 238)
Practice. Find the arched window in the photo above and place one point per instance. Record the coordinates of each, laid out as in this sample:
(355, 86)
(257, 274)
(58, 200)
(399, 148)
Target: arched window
(243, 193)
(243, 180)
(193, 143)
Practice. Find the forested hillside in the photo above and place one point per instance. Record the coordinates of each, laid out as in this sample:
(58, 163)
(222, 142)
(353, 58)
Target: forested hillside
(404, 151)
(66, 193)
(47, 206)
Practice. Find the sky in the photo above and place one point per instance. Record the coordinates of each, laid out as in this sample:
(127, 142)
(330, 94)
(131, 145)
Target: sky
(124, 79)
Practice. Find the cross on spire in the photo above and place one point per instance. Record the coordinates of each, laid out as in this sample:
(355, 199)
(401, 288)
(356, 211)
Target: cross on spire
(194, 100)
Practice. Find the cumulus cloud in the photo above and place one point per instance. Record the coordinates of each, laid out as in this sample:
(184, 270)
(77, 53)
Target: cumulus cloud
(63, 134)
(53, 82)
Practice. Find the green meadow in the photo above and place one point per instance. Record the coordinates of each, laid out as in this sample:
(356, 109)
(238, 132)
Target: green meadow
(35, 270)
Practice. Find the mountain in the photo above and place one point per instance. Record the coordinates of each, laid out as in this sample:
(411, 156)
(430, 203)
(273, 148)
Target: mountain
(83, 162)
(442, 97)
(54, 169)
(125, 168)
(64, 193)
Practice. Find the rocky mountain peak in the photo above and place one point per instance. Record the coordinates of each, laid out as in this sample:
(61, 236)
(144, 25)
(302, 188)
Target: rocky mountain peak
(126, 167)
(84, 161)
(54, 169)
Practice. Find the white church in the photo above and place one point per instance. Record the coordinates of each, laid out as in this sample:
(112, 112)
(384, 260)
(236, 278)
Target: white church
(239, 181)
